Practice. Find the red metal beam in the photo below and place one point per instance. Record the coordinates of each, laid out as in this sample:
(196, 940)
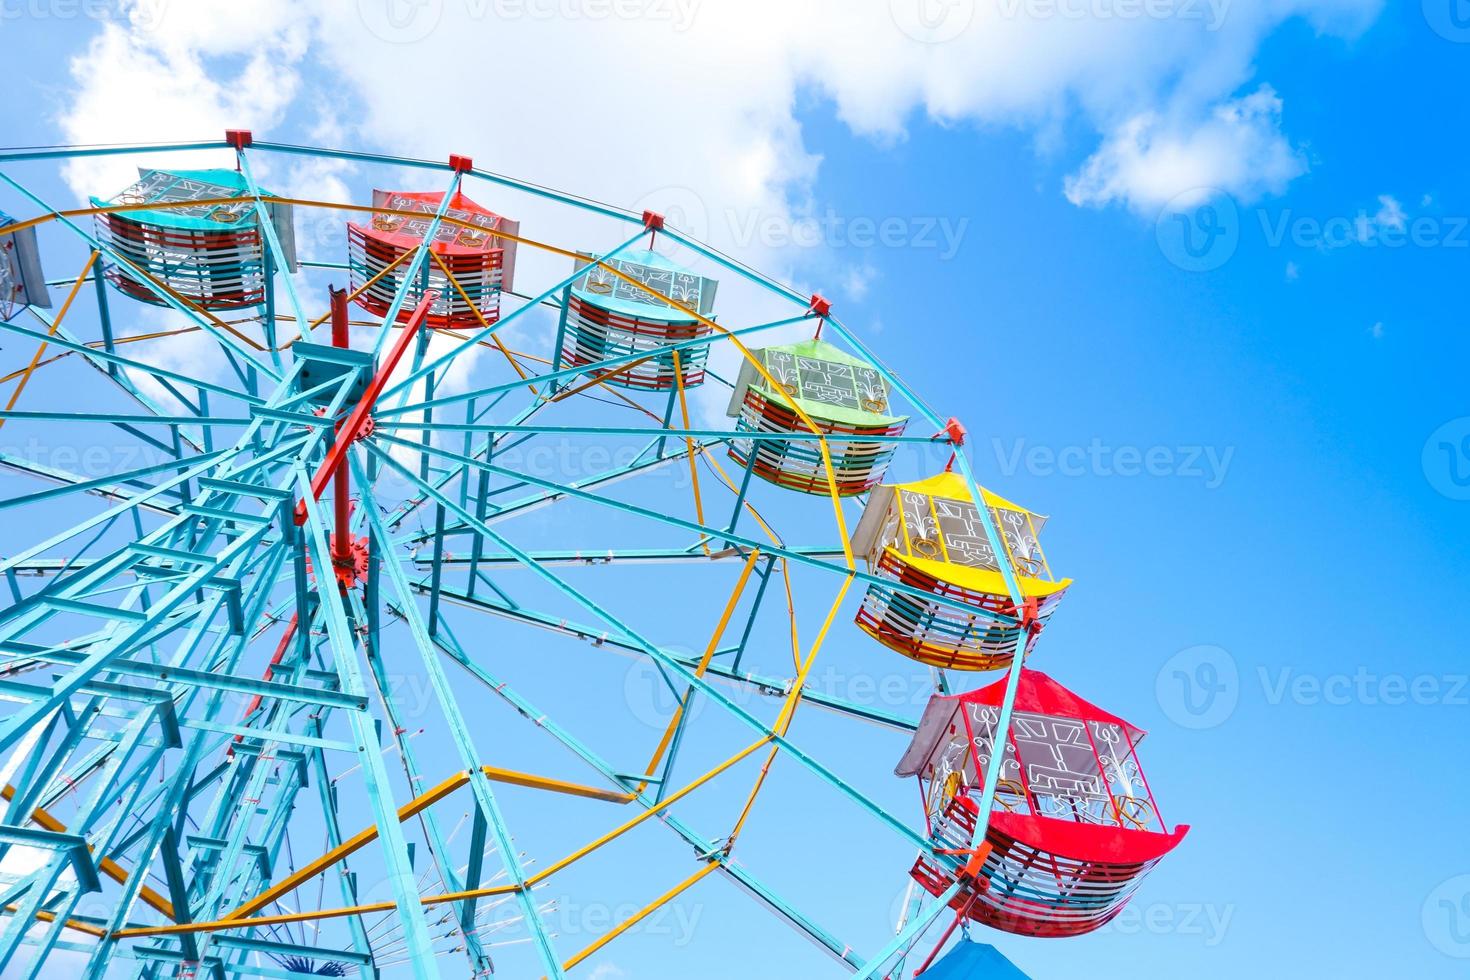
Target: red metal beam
(341, 538)
(336, 457)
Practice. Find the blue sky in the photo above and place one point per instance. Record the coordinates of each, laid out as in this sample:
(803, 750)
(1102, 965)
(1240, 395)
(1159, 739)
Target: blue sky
(1188, 287)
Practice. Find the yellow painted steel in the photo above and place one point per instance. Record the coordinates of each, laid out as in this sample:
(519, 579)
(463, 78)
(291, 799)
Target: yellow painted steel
(408, 254)
(369, 834)
(113, 209)
(689, 445)
(106, 865)
(640, 915)
(290, 917)
(495, 338)
(30, 368)
(76, 924)
(709, 652)
(788, 710)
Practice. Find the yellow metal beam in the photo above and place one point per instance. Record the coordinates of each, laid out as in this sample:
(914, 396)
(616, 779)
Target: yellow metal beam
(266, 920)
(106, 865)
(30, 368)
(419, 803)
(640, 915)
(709, 652)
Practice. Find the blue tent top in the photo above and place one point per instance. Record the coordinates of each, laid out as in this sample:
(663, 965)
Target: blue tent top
(973, 961)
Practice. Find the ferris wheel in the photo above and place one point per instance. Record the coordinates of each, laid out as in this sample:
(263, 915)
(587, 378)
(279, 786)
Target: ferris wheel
(322, 665)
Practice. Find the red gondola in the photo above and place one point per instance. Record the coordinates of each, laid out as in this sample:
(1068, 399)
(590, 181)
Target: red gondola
(481, 262)
(1074, 826)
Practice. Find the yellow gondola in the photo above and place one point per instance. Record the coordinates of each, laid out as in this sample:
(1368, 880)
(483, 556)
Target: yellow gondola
(929, 537)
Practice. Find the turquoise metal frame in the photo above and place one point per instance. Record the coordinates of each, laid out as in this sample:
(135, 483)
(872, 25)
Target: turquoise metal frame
(141, 643)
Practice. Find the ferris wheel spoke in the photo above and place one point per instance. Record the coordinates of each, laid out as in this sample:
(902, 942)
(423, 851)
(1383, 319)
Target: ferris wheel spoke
(554, 490)
(619, 628)
(748, 882)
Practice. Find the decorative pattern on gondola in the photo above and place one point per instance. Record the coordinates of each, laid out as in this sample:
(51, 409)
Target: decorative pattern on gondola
(928, 537)
(210, 254)
(22, 283)
(606, 317)
(481, 261)
(845, 398)
(1074, 826)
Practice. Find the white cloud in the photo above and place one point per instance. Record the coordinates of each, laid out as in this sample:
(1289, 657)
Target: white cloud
(1377, 330)
(700, 97)
(1390, 216)
(692, 106)
(1151, 161)
(1390, 213)
(183, 73)
(858, 280)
